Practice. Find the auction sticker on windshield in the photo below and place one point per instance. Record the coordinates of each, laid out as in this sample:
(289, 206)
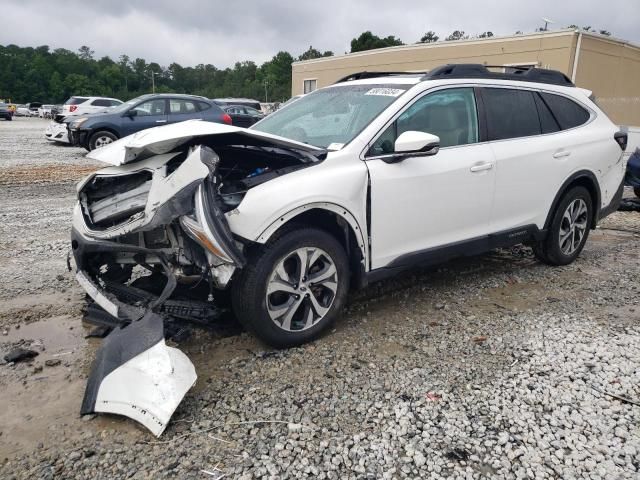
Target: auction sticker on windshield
(387, 92)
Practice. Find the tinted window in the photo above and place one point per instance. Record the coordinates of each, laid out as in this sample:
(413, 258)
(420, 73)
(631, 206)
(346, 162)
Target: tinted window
(510, 113)
(100, 102)
(177, 106)
(567, 112)
(204, 105)
(76, 100)
(152, 107)
(548, 123)
(115, 103)
(450, 114)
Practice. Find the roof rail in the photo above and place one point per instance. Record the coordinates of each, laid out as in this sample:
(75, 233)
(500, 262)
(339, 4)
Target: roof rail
(365, 75)
(477, 70)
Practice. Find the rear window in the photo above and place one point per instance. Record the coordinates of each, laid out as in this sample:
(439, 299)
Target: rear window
(76, 100)
(567, 112)
(115, 103)
(548, 122)
(101, 102)
(510, 113)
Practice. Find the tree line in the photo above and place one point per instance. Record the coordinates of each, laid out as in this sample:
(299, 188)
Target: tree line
(51, 76)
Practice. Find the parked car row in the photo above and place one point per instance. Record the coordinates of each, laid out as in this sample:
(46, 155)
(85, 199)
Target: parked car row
(92, 122)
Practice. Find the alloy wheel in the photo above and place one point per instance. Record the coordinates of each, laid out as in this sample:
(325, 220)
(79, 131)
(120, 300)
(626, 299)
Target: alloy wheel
(102, 141)
(301, 289)
(573, 226)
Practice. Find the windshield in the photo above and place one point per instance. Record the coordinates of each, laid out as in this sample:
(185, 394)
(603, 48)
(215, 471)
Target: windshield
(331, 117)
(123, 107)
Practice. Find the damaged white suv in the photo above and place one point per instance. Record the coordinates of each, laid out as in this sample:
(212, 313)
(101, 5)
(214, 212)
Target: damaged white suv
(352, 183)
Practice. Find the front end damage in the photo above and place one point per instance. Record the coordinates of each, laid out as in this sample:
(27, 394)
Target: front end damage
(159, 215)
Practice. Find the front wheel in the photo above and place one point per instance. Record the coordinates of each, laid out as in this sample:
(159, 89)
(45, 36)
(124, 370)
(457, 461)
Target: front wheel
(569, 229)
(293, 288)
(100, 139)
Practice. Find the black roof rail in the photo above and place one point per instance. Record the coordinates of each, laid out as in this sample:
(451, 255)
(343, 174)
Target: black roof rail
(365, 75)
(477, 70)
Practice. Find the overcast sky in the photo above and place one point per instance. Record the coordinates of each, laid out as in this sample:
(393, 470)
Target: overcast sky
(222, 32)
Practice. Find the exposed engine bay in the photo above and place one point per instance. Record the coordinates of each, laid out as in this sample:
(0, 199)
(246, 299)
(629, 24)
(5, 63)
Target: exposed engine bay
(160, 214)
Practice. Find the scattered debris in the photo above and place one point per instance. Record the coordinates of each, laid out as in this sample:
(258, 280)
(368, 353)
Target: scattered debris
(479, 339)
(630, 205)
(20, 355)
(433, 396)
(53, 362)
(459, 454)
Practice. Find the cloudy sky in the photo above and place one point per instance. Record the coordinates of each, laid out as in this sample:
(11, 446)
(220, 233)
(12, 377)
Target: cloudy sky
(222, 32)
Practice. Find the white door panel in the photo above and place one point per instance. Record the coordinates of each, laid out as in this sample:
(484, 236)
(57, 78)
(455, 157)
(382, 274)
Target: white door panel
(430, 201)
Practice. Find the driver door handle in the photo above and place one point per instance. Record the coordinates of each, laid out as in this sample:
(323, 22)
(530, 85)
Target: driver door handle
(481, 167)
(161, 121)
(561, 154)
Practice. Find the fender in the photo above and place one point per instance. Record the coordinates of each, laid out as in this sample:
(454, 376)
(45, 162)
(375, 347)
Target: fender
(331, 207)
(581, 174)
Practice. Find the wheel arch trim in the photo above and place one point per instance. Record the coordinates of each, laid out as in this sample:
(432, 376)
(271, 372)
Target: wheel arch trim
(340, 211)
(590, 177)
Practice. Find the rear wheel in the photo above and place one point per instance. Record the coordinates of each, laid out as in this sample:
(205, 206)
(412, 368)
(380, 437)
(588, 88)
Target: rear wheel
(636, 190)
(569, 229)
(100, 139)
(293, 288)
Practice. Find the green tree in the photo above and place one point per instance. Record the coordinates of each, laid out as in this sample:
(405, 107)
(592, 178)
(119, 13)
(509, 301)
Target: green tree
(85, 53)
(456, 35)
(429, 37)
(369, 41)
(486, 35)
(312, 53)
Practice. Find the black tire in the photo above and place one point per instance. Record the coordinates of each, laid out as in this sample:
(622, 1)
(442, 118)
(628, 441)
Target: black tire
(636, 190)
(249, 290)
(97, 139)
(548, 250)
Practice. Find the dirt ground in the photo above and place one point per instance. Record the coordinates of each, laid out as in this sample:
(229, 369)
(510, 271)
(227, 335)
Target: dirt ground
(463, 327)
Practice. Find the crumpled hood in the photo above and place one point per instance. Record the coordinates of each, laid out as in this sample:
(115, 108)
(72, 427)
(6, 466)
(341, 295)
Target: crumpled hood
(159, 140)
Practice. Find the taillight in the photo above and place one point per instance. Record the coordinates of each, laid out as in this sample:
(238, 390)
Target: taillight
(226, 119)
(621, 139)
(73, 108)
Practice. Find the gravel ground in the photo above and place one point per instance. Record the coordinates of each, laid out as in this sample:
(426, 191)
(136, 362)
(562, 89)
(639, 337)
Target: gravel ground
(490, 367)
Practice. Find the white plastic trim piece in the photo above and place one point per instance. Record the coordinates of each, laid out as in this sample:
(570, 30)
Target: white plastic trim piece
(149, 387)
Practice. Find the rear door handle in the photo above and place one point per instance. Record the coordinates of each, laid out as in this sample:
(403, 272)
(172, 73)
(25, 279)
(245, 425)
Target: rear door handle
(561, 154)
(481, 167)
(161, 121)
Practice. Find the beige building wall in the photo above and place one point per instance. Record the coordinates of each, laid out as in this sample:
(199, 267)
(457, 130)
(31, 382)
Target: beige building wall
(611, 69)
(608, 67)
(547, 50)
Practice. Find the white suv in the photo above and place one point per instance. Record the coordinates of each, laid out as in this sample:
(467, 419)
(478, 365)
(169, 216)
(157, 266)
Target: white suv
(86, 105)
(349, 184)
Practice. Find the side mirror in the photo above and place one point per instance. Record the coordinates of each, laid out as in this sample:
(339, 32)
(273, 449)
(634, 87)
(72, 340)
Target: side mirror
(132, 113)
(421, 143)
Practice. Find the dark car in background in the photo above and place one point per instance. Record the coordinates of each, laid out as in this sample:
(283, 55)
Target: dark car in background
(5, 111)
(243, 116)
(147, 111)
(245, 102)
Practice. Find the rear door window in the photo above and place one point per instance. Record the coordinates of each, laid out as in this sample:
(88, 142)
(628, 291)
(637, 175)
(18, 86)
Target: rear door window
(177, 106)
(152, 107)
(567, 112)
(510, 113)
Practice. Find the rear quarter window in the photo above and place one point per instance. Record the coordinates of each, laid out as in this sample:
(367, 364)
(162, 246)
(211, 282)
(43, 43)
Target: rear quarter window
(567, 112)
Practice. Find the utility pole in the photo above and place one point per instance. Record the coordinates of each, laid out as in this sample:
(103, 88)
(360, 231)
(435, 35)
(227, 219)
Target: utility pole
(153, 82)
(266, 84)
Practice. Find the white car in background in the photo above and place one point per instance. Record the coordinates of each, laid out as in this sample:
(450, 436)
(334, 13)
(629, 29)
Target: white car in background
(45, 111)
(80, 105)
